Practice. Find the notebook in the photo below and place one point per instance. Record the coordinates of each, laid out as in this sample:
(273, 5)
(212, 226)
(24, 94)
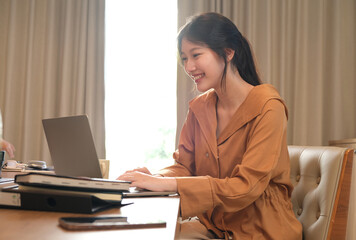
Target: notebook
(72, 147)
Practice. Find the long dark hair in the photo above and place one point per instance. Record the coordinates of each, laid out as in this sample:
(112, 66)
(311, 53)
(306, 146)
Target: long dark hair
(219, 33)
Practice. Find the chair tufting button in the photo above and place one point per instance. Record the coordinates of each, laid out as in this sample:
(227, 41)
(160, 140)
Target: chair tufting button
(297, 178)
(299, 212)
(318, 180)
(317, 214)
(207, 154)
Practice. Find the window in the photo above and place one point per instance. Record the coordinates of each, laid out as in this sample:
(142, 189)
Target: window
(140, 82)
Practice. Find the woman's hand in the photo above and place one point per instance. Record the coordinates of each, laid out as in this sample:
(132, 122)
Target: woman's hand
(141, 169)
(7, 147)
(147, 181)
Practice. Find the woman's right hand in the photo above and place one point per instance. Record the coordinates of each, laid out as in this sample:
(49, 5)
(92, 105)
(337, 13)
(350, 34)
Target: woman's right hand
(141, 169)
(148, 181)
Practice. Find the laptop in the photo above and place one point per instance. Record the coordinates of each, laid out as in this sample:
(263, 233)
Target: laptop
(72, 147)
(73, 153)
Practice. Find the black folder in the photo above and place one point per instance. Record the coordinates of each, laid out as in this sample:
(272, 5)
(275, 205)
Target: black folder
(61, 202)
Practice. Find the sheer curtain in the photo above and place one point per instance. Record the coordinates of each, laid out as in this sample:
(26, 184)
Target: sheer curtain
(140, 81)
(52, 65)
(306, 49)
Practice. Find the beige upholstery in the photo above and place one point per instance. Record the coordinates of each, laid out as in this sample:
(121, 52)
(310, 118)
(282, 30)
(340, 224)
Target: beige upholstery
(321, 177)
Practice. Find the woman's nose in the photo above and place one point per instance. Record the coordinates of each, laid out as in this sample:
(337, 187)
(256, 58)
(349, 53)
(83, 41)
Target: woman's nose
(190, 66)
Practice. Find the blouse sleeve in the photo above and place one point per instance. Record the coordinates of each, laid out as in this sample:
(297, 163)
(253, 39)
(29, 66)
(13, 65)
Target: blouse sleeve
(249, 179)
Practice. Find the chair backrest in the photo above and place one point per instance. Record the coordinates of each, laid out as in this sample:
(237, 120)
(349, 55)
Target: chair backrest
(321, 177)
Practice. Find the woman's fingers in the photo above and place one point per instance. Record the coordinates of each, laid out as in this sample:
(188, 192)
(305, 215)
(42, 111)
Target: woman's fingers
(9, 148)
(149, 182)
(130, 176)
(127, 176)
(143, 170)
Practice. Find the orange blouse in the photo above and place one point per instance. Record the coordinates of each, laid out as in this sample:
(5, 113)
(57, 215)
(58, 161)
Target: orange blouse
(238, 184)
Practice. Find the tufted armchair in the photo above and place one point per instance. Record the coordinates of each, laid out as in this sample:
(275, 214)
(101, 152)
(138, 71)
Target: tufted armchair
(321, 177)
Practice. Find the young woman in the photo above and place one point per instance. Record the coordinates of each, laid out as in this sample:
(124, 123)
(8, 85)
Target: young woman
(232, 163)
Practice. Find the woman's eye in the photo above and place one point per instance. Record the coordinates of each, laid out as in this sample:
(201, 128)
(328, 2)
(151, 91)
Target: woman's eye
(183, 59)
(196, 55)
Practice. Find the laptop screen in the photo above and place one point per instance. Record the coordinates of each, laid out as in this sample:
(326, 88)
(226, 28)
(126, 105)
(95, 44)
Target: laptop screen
(71, 146)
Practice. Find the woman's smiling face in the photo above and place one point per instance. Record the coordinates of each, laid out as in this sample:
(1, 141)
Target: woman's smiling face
(204, 66)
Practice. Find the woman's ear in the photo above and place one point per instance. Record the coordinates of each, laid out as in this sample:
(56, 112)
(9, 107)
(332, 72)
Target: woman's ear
(229, 54)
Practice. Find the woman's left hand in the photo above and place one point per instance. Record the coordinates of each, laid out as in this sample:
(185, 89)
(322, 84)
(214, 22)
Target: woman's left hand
(149, 182)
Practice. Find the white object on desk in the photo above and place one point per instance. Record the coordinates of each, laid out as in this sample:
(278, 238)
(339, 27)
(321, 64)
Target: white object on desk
(11, 164)
(36, 164)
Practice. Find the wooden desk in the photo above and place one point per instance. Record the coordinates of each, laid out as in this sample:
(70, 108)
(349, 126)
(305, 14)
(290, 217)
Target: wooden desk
(33, 225)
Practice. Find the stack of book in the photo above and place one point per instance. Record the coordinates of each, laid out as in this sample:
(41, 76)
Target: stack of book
(48, 192)
(7, 182)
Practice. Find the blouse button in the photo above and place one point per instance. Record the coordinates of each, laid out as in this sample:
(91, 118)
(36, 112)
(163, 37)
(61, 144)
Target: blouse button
(207, 154)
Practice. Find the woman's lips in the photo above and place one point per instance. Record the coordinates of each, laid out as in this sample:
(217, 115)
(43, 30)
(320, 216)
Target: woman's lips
(197, 77)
